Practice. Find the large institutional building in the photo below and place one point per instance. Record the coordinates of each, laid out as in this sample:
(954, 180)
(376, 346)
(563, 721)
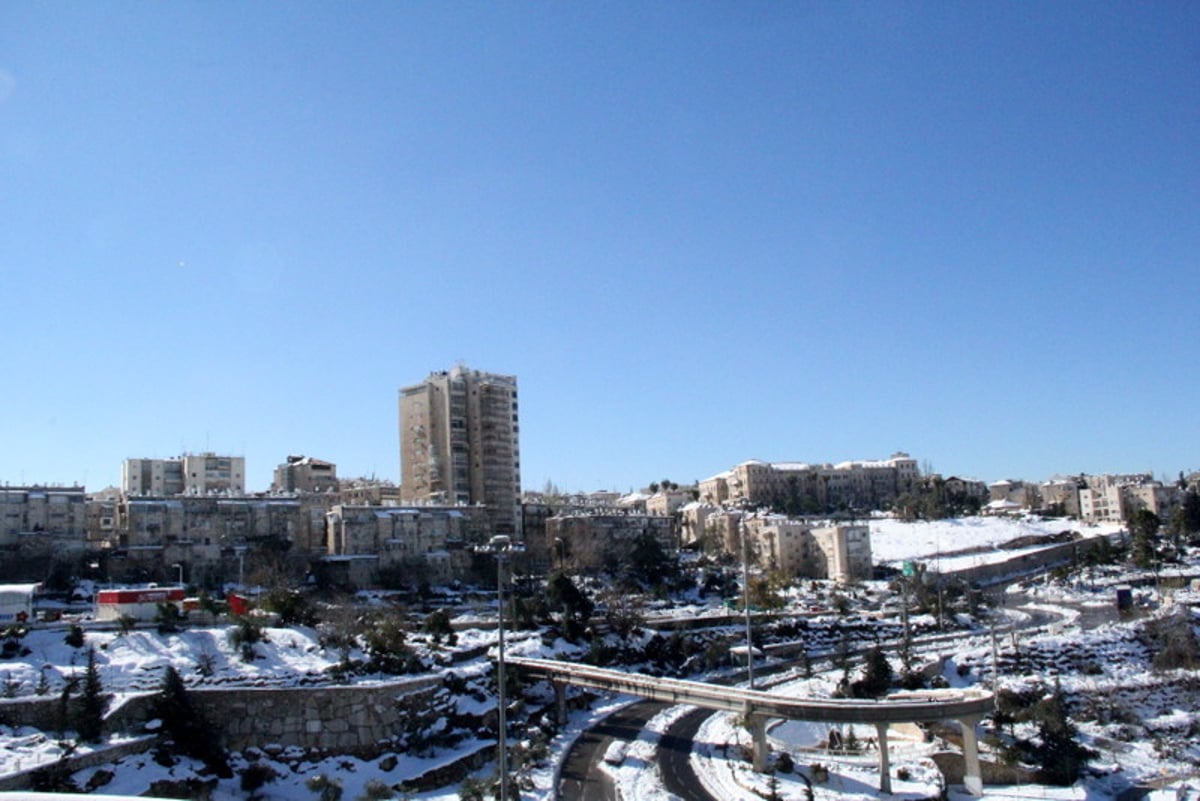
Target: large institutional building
(459, 443)
(814, 488)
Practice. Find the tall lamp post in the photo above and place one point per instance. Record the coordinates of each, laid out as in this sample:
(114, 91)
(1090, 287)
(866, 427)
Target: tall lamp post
(746, 600)
(179, 566)
(500, 547)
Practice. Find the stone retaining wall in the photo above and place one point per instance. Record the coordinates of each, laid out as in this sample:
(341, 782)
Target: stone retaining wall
(23, 780)
(345, 719)
(44, 713)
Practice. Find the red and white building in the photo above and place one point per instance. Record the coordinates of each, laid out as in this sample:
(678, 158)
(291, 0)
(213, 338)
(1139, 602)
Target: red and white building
(139, 603)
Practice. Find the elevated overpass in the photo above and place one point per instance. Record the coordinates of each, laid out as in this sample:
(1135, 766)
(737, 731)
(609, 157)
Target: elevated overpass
(968, 706)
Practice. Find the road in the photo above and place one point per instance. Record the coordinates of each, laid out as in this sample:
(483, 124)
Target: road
(582, 779)
(581, 776)
(674, 757)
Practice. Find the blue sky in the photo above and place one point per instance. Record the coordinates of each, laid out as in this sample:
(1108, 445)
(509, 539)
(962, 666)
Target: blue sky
(698, 233)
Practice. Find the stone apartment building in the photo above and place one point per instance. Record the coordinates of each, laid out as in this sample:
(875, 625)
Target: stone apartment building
(1112, 498)
(41, 524)
(213, 538)
(373, 545)
(190, 474)
(667, 502)
(305, 474)
(459, 444)
(814, 488)
(56, 511)
(796, 548)
(1060, 494)
(599, 540)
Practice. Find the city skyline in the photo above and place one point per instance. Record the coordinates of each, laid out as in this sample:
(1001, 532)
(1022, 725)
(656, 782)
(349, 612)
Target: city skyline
(698, 235)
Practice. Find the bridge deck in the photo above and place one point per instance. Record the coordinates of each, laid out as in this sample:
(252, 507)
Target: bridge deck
(925, 706)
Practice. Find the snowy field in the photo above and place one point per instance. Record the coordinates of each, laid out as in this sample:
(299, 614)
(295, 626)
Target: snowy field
(893, 541)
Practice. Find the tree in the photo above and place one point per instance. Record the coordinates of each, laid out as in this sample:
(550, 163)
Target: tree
(1191, 511)
(648, 564)
(623, 613)
(576, 607)
(766, 592)
(93, 703)
(293, 607)
(1061, 757)
(437, 625)
(166, 617)
(75, 636)
(1143, 526)
(389, 651)
(186, 726)
(244, 635)
(877, 675)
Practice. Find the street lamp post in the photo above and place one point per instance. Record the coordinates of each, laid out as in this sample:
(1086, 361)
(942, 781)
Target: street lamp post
(500, 547)
(179, 566)
(746, 603)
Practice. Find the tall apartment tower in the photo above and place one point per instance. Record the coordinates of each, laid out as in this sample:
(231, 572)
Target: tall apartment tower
(459, 443)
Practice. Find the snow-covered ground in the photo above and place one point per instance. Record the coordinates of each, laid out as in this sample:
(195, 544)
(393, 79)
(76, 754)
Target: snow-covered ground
(1104, 663)
(893, 541)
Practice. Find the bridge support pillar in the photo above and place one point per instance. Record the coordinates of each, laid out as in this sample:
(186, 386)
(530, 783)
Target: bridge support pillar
(560, 702)
(885, 768)
(973, 776)
(758, 735)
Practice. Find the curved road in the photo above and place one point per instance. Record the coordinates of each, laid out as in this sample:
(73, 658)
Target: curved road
(582, 779)
(674, 757)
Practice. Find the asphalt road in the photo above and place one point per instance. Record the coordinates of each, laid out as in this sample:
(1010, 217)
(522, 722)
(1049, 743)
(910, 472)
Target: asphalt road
(581, 778)
(674, 752)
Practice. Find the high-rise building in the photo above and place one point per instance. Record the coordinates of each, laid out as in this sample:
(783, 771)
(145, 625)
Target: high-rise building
(459, 443)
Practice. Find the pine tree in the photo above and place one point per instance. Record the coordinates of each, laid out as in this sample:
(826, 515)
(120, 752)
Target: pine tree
(186, 727)
(877, 675)
(89, 722)
(1061, 756)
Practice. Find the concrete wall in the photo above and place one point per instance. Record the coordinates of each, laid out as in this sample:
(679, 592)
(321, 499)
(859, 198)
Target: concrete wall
(1037, 561)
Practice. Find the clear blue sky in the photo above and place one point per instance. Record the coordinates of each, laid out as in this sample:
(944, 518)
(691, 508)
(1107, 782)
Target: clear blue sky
(698, 233)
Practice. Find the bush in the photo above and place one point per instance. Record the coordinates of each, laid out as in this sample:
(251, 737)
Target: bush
(437, 625)
(75, 636)
(389, 652)
(255, 776)
(327, 789)
(244, 635)
(293, 608)
(1174, 643)
(375, 790)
